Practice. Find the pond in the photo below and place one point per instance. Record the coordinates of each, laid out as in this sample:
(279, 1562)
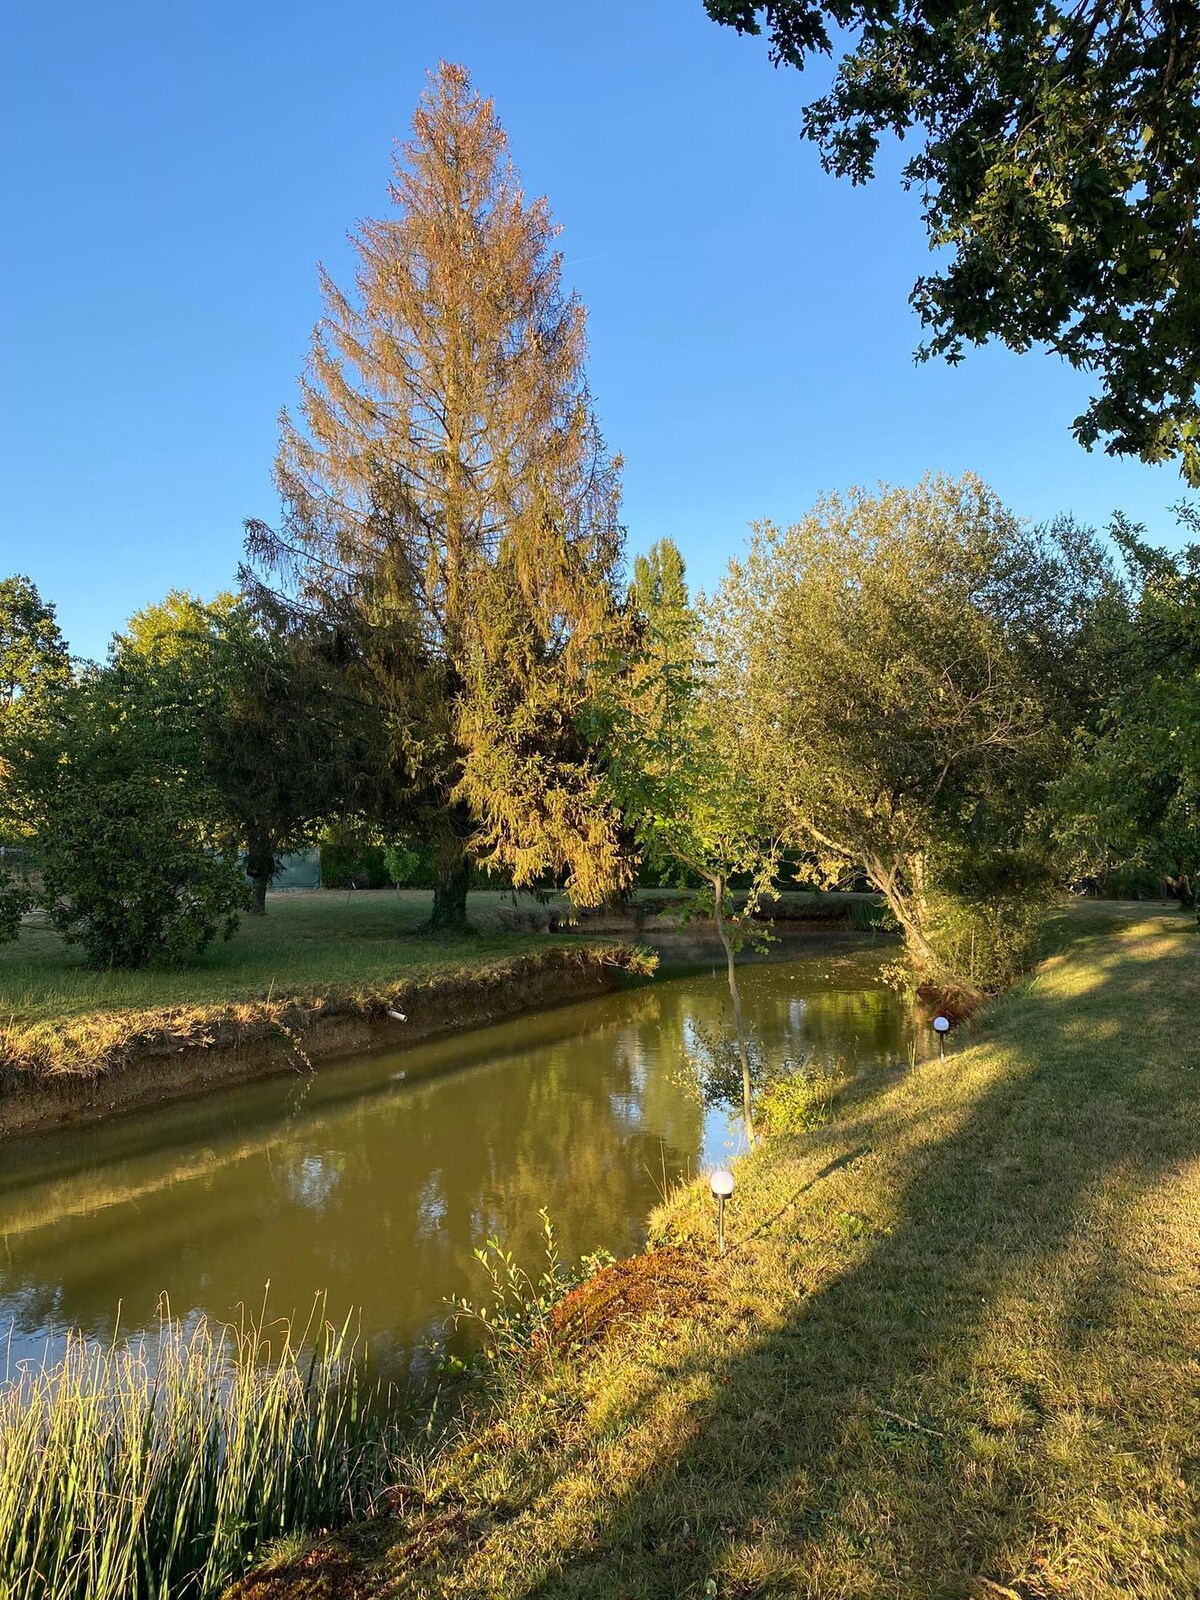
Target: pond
(375, 1180)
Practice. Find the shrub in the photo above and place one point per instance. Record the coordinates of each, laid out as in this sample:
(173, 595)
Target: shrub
(986, 943)
(983, 917)
(125, 873)
(351, 864)
(796, 1102)
(400, 863)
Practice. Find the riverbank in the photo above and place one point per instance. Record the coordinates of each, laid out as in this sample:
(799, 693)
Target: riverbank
(319, 977)
(951, 1350)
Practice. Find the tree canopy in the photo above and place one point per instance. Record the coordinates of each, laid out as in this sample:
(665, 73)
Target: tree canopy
(270, 725)
(33, 653)
(1131, 797)
(1057, 151)
(910, 662)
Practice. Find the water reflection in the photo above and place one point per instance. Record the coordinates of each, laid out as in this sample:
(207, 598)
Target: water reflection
(375, 1182)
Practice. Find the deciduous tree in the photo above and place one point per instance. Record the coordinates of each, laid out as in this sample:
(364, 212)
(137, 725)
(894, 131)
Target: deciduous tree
(1057, 148)
(679, 768)
(912, 671)
(282, 742)
(123, 823)
(1131, 796)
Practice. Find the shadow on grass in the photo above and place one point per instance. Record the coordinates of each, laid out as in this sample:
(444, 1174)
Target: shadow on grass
(988, 1395)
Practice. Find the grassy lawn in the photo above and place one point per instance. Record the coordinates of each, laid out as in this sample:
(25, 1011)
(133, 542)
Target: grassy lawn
(952, 1351)
(54, 1012)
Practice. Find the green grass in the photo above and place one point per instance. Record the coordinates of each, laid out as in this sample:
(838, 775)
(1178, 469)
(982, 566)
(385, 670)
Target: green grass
(134, 1474)
(952, 1351)
(56, 1014)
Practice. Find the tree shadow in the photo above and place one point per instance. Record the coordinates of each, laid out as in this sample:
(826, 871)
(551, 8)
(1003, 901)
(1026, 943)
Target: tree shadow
(979, 1356)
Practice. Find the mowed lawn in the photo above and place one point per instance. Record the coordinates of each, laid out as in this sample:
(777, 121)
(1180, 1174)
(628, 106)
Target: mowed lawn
(952, 1351)
(308, 947)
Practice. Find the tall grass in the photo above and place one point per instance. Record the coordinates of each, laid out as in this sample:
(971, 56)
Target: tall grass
(156, 1470)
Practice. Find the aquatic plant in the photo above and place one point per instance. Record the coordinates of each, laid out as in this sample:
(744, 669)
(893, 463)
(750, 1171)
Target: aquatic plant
(153, 1469)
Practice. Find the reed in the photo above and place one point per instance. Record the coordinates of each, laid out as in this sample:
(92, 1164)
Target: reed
(155, 1470)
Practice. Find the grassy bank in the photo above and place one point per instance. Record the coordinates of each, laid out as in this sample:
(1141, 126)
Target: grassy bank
(312, 953)
(952, 1351)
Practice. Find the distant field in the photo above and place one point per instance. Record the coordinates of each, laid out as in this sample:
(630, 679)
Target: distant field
(311, 945)
(307, 941)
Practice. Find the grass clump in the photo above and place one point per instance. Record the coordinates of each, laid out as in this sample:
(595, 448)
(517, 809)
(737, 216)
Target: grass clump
(797, 1101)
(141, 1472)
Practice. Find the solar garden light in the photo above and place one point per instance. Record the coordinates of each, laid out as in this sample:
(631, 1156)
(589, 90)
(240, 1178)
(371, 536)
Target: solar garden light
(721, 1184)
(941, 1026)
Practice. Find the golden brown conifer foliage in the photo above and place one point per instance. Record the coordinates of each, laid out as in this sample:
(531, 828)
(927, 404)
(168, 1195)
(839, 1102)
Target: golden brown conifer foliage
(448, 495)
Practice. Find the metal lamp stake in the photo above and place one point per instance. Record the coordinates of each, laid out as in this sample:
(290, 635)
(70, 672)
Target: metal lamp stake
(721, 1184)
(941, 1026)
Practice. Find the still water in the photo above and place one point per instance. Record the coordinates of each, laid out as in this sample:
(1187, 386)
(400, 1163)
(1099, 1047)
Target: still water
(375, 1181)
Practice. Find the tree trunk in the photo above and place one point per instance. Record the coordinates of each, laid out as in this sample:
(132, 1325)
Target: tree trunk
(922, 953)
(449, 913)
(261, 867)
(735, 995)
(1181, 887)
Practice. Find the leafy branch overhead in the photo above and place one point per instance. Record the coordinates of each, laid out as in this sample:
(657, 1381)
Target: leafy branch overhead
(1058, 162)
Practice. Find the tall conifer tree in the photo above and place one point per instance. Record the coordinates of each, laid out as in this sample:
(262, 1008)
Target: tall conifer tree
(449, 499)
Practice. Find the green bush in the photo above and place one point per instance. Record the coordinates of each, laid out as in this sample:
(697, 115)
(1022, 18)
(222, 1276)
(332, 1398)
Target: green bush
(796, 1102)
(400, 863)
(126, 874)
(986, 944)
(350, 864)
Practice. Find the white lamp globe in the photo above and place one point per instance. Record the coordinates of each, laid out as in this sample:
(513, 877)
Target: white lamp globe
(941, 1024)
(721, 1183)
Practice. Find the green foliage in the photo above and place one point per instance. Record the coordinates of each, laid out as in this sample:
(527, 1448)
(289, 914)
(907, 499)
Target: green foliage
(1131, 797)
(280, 744)
(796, 1101)
(15, 900)
(680, 770)
(514, 1322)
(126, 874)
(913, 662)
(129, 847)
(1056, 149)
(33, 654)
(401, 863)
(675, 748)
(986, 944)
(353, 864)
(131, 1474)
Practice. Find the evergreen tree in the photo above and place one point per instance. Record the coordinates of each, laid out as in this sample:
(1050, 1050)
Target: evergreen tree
(449, 503)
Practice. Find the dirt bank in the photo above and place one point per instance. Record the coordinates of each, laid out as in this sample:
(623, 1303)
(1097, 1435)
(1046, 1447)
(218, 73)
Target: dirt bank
(170, 1055)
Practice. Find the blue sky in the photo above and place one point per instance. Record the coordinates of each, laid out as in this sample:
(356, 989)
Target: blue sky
(175, 172)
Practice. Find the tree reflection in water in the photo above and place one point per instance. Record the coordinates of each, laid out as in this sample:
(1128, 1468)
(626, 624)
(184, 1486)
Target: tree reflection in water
(379, 1191)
